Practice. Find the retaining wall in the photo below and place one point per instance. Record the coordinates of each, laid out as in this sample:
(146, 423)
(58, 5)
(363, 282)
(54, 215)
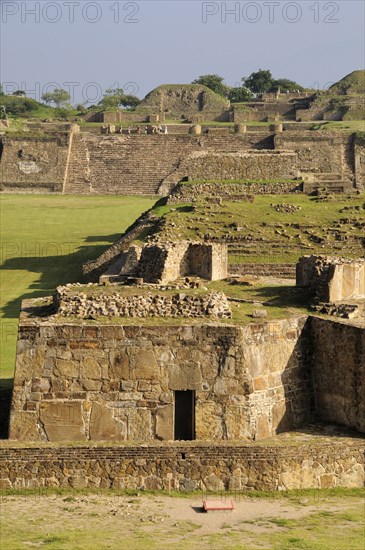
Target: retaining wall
(187, 467)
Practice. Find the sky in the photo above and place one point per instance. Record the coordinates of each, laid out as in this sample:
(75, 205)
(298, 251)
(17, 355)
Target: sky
(86, 47)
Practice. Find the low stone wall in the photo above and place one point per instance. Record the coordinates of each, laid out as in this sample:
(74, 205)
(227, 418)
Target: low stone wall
(189, 192)
(93, 269)
(84, 306)
(187, 467)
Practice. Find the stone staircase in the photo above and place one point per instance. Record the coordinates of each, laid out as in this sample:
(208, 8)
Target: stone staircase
(285, 271)
(138, 164)
(77, 181)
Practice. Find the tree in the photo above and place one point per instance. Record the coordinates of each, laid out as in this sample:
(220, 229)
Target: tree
(259, 82)
(59, 97)
(110, 102)
(19, 106)
(19, 93)
(1, 90)
(64, 112)
(130, 101)
(214, 82)
(236, 95)
(285, 85)
(80, 108)
(116, 98)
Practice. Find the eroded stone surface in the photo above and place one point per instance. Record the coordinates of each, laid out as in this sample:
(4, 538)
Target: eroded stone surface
(103, 425)
(62, 421)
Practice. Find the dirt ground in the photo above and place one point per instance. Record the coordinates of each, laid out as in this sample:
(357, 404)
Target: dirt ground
(77, 521)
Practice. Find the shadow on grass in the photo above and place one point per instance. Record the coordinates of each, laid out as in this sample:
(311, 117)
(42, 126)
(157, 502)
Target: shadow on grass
(285, 296)
(54, 270)
(100, 238)
(281, 296)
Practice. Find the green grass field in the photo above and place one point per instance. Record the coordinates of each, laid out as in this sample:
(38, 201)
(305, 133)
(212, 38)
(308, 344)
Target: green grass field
(45, 239)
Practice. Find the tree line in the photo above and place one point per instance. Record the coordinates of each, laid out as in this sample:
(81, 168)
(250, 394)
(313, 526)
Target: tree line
(258, 82)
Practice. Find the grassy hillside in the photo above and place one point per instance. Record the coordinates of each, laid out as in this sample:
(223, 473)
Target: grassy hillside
(351, 84)
(263, 232)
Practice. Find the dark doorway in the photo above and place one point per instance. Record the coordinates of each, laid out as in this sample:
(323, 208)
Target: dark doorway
(184, 415)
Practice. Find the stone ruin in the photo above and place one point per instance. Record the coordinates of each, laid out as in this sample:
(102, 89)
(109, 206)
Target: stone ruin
(69, 161)
(333, 281)
(84, 373)
(71, 301)
(83, 379)
(164, 262)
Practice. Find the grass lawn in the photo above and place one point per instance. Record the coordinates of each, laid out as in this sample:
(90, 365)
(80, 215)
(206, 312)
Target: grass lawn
(349, 125)
(45, 239)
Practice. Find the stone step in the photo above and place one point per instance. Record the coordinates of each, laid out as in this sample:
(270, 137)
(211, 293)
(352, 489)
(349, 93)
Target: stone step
(273, 270)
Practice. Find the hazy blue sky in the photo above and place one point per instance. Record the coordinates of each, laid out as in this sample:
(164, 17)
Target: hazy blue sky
(88, 46)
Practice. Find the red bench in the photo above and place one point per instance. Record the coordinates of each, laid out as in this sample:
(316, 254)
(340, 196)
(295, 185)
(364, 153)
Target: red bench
(212, 505)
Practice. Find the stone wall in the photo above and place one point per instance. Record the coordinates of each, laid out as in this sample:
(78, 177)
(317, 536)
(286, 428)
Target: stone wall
(360, 166)
(189, 192)
(332, 279)
(260, 165)
(264, 110)
(93, 269)
(348, 108)
(169, 261)
(151, 164)
(86, 305)
(284, 271)
(321, 154)
(316, 153)
(138, 164)
(34, 164)
(185, 467)
(339, 372)
(109, 382)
